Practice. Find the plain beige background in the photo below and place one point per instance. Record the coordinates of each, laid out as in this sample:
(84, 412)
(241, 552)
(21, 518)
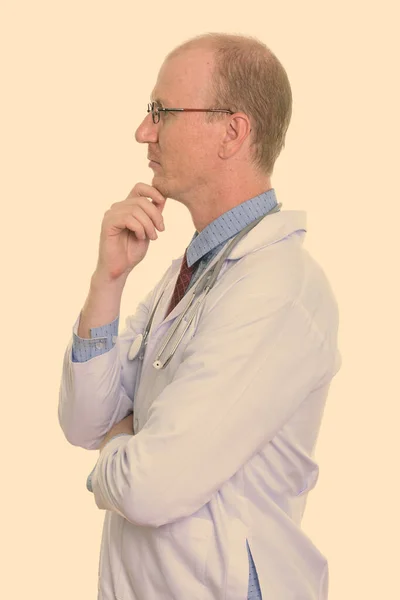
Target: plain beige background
(75, 81)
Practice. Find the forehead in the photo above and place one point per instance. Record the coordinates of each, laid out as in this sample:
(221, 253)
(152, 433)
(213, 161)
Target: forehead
(184, 77)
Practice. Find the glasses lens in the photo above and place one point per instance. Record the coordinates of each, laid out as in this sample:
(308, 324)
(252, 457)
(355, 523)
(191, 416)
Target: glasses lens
(152, 107)
(156, 113)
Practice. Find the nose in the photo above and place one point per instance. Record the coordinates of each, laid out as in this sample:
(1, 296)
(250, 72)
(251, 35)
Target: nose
(147, 131)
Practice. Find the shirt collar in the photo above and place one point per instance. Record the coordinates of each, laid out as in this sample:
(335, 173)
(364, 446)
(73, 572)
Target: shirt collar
(229, 224)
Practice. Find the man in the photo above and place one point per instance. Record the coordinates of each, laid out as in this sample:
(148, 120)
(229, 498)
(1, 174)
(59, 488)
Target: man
(206, 461)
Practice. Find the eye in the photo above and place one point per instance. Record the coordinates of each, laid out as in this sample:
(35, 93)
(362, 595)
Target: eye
(165, 114)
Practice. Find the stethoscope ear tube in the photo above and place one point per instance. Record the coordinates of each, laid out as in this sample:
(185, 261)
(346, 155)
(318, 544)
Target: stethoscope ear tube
(186, 320)
(143, 341)
(201, 285)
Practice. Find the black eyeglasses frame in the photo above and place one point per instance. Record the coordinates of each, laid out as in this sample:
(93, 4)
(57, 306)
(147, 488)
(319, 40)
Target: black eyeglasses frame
(155, 110)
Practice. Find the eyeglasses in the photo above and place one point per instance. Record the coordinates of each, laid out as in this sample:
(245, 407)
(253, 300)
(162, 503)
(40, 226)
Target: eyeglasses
(155, 110)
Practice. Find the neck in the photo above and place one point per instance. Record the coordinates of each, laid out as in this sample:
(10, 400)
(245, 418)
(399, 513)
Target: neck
(205, 205)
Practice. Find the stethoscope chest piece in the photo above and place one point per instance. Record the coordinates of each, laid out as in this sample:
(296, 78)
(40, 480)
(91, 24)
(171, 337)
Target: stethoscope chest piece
(135, 347)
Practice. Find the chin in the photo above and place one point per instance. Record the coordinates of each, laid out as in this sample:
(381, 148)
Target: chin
(162, 186)
(169, 189)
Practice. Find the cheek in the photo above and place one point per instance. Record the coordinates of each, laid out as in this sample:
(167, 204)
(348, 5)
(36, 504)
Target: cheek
(187, 149)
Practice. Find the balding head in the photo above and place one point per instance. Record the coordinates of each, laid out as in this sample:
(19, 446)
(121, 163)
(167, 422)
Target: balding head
(248, 77)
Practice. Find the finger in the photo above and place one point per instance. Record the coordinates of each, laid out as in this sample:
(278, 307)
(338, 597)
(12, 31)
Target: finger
(148, 208)
(152, 211)
(145, 222)
(144, 189)
(135, 226)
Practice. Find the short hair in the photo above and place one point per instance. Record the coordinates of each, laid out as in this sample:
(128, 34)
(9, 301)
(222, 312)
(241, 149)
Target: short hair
(248, 77)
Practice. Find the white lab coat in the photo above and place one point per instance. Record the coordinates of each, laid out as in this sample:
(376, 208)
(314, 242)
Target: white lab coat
(224, 435)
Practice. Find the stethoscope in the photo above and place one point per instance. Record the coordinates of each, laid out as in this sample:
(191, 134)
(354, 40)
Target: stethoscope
(199, 292)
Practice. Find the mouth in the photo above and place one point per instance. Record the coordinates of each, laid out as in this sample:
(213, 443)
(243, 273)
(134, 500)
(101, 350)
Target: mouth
(153, 163)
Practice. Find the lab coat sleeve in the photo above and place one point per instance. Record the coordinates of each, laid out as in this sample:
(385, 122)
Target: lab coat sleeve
(255, 357)
(101, 340)
(97, 393)
(89, 477)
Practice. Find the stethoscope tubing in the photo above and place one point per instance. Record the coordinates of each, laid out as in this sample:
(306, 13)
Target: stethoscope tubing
(205, 283)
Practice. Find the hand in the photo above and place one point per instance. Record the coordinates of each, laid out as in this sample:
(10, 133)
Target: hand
(126, 231)
(124, 426)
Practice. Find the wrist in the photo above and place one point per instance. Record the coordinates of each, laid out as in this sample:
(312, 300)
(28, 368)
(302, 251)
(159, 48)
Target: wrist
(102, 304)
(101, 281)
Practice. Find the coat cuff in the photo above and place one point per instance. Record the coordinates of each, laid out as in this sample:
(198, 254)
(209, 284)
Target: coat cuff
(103, 478)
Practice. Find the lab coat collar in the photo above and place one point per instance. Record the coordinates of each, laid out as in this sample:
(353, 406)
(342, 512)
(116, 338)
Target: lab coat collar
(271, 229)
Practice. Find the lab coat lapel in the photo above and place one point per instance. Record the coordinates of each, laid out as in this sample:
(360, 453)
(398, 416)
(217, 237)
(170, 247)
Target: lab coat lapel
(159, 317)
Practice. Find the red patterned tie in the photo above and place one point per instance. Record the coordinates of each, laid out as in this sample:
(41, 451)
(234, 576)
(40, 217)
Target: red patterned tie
(181, 285)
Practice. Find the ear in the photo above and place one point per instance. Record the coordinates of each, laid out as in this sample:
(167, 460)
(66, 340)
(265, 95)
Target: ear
(237, 131)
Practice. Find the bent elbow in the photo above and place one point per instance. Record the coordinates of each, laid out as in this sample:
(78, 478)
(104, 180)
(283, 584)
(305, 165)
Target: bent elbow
(77, 438)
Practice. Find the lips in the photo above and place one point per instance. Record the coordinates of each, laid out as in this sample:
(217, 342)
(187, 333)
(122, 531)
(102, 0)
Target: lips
(153, 159)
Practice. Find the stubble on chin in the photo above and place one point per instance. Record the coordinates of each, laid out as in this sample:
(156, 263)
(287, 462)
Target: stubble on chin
(159, 184)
